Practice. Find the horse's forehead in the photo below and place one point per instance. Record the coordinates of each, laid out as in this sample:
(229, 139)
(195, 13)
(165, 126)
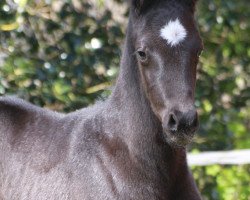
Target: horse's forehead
(173, 32)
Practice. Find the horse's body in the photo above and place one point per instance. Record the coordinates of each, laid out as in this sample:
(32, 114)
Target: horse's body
(113, 150)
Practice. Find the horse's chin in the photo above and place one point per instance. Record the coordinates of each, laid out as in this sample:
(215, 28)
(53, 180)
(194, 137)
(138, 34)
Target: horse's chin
(179, 140)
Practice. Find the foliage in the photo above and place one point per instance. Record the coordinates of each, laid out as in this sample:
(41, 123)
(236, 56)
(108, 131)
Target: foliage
(232, 182)
(61, 54)
(56, 50)
(223, 94)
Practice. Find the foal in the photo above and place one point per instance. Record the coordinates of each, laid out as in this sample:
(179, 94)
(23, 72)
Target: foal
(132, 146)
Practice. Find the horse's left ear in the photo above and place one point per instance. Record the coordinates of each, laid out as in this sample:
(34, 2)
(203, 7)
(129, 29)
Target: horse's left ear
(192, 4)
(140, 5)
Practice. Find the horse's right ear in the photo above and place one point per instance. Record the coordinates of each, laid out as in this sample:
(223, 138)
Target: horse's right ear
(140, 5)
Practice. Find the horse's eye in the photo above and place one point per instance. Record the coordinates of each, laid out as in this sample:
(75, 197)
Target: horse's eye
(142, 55)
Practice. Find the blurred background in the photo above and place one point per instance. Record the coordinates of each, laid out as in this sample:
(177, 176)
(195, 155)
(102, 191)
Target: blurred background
(64, 55)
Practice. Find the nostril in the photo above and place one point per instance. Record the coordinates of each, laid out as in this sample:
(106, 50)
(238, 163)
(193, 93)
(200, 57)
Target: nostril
(172, 123)
(186, 122)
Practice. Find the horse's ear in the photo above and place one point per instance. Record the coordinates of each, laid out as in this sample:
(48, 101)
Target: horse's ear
(140, 5)
(192, 4)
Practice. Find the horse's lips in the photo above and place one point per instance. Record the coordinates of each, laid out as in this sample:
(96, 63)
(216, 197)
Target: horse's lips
(179, 139)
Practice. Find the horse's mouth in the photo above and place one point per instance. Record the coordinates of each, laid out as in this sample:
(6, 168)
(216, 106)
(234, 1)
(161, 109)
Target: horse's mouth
(179, 139)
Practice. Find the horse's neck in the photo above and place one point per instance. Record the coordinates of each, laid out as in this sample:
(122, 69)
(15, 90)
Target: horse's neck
(129, 97)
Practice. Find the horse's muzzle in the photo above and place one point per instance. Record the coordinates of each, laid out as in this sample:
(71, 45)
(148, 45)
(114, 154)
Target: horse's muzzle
(181, 126)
